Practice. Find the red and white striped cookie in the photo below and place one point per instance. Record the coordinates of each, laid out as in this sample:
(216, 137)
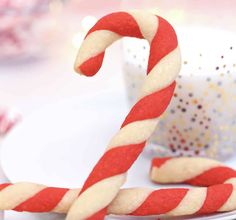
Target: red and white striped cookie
(135, 202)
(109, 174)
(191, 170)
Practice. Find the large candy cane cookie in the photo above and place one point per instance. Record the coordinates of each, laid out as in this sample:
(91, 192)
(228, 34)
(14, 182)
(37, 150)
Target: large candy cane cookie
(194, 171)
(109, 174)
(135, 202)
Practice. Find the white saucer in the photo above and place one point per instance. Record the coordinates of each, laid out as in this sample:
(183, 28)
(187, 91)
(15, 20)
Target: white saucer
(59, 144)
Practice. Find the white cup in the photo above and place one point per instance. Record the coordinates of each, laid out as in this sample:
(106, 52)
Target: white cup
(201, 118)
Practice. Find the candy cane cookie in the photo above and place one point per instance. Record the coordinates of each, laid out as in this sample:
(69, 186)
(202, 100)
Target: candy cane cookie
(32, 197)
(195, 171)
(109, 174)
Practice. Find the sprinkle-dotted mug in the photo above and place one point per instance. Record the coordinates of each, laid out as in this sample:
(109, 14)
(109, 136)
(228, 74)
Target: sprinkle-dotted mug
(201, 118)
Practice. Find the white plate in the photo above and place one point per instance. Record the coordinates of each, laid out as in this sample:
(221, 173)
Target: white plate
(59, 144)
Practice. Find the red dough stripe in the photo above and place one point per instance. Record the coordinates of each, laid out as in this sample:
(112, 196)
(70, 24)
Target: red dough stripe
(151, 106)
(4, 185)
(158, 162)
(91, 66)
(217, 175)
(162, 44)
(216, 197)
(115, 161)
(44, 201)
(160, 202)
(121, 23)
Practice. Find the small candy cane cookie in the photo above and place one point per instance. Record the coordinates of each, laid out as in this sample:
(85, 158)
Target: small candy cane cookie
(135, 202)
(194, 171)
(109, 174)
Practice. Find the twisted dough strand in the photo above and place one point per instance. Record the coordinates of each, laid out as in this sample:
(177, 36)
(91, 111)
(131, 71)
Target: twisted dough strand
(32, 197)
(195, 171)
(220, 179)
(109, 174)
